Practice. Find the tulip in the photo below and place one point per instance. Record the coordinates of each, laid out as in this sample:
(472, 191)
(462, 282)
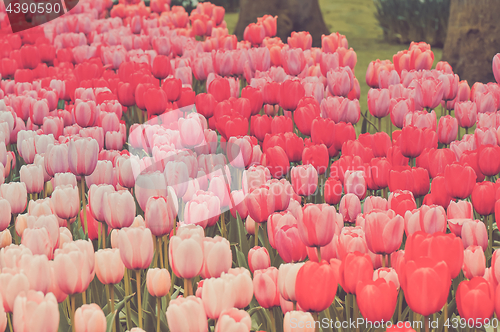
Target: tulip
(411, 141)
(265, 285)
(332, 191)
(466, 113)
(375, 203)
(160, 214)
(355, 268)
(429, 218)
(217, 295)
(185, 252)
(474, 262)
(299, 321)
(66, 201)
(72, 269)
(217, 257)
(350, 207)
(38, 241)
(103, 173)
(287, 276)
(316, 155)
(109, 267)
(384, 231)
(233, 320)
(315, 286)
(241, 280)
(315, 226)
(483, 198)
(5, 239)
(377, 299)
(37, 269)
(32, 176)
(304, 180)
(277, 162)
(187, 314)
(389, 274)
(475, 300)
(474, 233)
(29, 307)
(119, 208)
(447, 129)
(289, 245)
(426, 283)
(90, 317)
(340, 81)
(378, 102)
(16, 194)
(5, 214)
(82, 156)
(158, 282)
(291, 91)
(489, 160)
(355, 183)
(399, 108)
(459, 180)
(136, 247)
(260, 203)
(258, 259)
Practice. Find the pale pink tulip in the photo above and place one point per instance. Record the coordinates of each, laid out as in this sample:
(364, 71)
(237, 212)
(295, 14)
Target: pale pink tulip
(241, 280)
(185, 251)
(90, 318)
(158, 282)
(119, 208)
(187, 314)
(109, 267)
(217, 257)
(34, 312)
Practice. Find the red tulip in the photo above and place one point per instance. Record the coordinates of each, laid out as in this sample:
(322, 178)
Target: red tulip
(489, 160)
(459, 180)
(343, 132)
(332, 191)
(483, 198)
(411, 141)
(219, 88)
(401, 201)
(377, 299)
(172, 87)
(161, 67)
(321, 131)
(475, 301)
(294, 146)
(438, 160)
(291, 92)
(315, 224)
(277, 162)
(255, 97)
(315, 286)
(355, 269)
(205, 104)
(426, 284)
(260, 125)
(260, 203)
(316, 155)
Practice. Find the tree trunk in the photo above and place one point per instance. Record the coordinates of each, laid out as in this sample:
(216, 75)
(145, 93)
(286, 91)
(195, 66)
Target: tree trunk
(293, 15)
(473, 38)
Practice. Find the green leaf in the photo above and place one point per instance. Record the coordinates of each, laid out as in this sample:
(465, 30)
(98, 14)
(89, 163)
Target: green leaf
(242, 260)
(64, 322)
(111, 318)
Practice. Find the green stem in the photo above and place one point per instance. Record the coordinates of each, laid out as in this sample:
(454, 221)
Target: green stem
(400, 304)
(84, 297)
(127, 304)
(72, 312)
(445, 318)
(158, 305)
(426, 323)
(257, 234)
(318, 250)
(112, 302)
(355, 311)
(160, 251)
(139, 306)
(273, 321)
(348, 307)
(380, 124)
(165, 241)
(9, 320)
(84, 205)
(490, 234)
(223, 225)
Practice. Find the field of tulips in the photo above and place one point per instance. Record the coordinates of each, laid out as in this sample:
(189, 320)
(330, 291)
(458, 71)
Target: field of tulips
(159, 175)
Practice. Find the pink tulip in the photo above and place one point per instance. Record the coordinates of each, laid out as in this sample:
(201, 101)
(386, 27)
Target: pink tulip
(160, 214)
(90, 318)
(241, 280)
(447, 129)
(260, 203)
(399, 108)
(124, 171)
(340, 81)
(299, 321)
(375, 202)
(37, 269)
(217, 295)
(96, 200)
(466, 113)
(384, 231)
(378, 102)
(38, 111)
(185, 252)
(430, 219)
(15, 193)
(35, 312)
(239, 151)
(474, 234)
(191, 132)
(233, 320)
(32, 176)
(429, 92)
(5, 214)
(304, 179)
(217, 257)
(85, 113)
(74, 266)
(203, 209)
(187, 314)
(103, 174)
(289, 245)
(56, 159)
(109, 267)
(258, 259)
(389, 274)
(38, 241)
(315, 226)
(66, 201)
(351, 239)
(457, 213)
(158, 282)
(350, 207)
(12, 284)
(5, 239)
(119, 208)
(68, 178)
(82, 156)
(474, 262)
(293, 60)
(136, 247)
(265, 286)
(287, 276)
(355, 183)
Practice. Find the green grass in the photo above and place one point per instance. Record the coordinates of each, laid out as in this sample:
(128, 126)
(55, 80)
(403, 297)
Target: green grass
(356, 20)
